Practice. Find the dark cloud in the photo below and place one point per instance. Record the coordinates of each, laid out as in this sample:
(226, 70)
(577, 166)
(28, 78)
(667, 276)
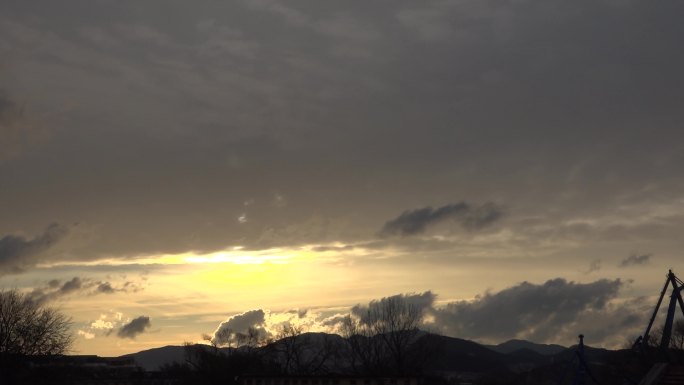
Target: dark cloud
(134, 328)
(417, 221)
(18, 253)
(239, 325)
(55, 289)
(635, 259)
(552, 311)
(555, 311)
(70, 286)
(105, 287)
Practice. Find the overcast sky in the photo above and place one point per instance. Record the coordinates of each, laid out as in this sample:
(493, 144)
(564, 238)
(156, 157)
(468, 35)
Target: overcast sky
(168, 165)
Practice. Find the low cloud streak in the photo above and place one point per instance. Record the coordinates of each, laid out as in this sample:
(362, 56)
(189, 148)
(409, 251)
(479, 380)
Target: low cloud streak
(55, 289)
(412, 222)
(634, 259)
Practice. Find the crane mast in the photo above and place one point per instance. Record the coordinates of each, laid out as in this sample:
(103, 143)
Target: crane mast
(676, 297)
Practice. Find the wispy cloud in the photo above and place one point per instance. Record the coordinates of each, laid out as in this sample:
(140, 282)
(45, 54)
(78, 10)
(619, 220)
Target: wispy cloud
(56, 289)
(635, 259)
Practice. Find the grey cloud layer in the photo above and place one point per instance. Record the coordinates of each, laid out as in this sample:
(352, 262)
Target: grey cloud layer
(354, 112)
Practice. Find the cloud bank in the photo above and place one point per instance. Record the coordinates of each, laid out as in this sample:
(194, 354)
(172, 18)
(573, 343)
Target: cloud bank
(555, 311)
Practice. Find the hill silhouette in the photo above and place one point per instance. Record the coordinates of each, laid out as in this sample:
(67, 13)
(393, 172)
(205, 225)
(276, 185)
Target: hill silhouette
(516, 361)
(454, 354)
(511, 346)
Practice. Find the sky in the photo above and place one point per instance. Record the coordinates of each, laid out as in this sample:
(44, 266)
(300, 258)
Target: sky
(172, 168)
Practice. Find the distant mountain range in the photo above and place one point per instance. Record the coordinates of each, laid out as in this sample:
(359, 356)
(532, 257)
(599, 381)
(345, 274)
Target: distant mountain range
(456, 355)
(459, 360)
(152, 359)
(513, 345)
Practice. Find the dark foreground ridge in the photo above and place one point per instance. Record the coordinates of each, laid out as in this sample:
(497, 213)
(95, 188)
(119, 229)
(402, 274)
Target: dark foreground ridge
(447, 361)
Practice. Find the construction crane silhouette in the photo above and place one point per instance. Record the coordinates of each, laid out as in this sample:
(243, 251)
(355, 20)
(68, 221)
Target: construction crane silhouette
(642, 342)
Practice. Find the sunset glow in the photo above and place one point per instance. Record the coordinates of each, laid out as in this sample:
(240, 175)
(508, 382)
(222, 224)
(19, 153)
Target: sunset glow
(169, 168)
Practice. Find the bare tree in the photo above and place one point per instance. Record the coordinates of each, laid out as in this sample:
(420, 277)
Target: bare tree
(246, 341)
(677, 339)
(396, 322)
(366, 353)
(229, 355)
(288, 345)
(379, 337)
(300, 353)
(28, 328)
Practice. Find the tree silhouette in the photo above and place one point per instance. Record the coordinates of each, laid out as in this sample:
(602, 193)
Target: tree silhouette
(380, 337)
(28, 328)
(677, 341)
(303, 353)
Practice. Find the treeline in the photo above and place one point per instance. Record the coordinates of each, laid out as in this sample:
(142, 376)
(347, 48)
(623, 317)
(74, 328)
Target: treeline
(381, 340)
